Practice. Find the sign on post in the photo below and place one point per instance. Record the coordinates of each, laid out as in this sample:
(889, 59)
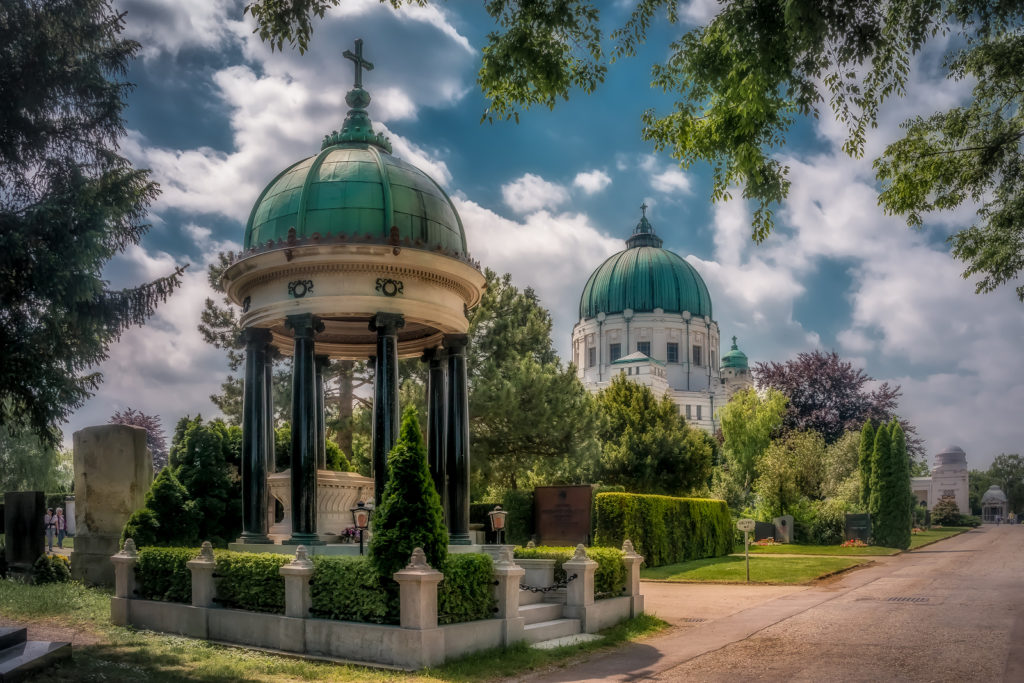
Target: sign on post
(746, 526)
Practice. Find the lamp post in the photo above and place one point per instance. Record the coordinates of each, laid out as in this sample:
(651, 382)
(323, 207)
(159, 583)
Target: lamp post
(361, 520)
(497, 517)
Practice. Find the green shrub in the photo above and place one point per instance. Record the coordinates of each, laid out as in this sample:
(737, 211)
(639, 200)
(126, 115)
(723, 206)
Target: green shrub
(336, 459)
(173, 510)
(162, 574)
(51, 569)
(251, 581)
(466, 592)
(969, 520)
(347, 588)
(142, 527)
(828, 522)
(946, 512)
(409, 515)
(519, 521)
(663, 529)
(609, 579)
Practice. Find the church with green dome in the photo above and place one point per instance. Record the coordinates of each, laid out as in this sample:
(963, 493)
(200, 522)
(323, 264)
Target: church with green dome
(646, 313)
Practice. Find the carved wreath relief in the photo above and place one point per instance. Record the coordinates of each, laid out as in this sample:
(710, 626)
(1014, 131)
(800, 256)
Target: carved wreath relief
(389, 287)
(299, 288)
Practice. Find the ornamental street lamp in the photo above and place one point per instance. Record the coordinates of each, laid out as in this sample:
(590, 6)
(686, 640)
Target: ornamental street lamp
(497, 516)
(361, 520)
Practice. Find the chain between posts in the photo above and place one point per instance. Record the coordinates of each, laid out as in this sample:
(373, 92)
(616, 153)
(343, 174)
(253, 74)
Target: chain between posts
(545, 589)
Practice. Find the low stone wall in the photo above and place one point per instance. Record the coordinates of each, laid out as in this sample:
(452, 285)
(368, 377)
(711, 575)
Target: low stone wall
(416, 643)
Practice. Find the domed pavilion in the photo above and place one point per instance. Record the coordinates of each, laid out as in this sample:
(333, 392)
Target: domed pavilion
(646, 313)
(949, 477)
(353, 254)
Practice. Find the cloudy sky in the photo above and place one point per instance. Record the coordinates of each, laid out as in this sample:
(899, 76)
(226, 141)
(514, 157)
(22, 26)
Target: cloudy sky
(216, 115)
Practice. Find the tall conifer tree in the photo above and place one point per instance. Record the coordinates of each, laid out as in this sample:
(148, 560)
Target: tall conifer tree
(879, 456)
(903, 496)
(867, 449)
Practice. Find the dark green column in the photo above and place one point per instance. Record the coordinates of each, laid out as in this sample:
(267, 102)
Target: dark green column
(304, 451)
(385, 396)
(321, 427)
(255, 497)
(272, 355)
(457, 451)
(436, 417)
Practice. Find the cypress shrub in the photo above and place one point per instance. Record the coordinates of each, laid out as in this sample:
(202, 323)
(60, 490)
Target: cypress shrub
(51, 569)
(142, 527)
(410, 514)
(891, 523)
(162, 574)
(665, 530)
(251, 581)
(879, 456)
(867, 449)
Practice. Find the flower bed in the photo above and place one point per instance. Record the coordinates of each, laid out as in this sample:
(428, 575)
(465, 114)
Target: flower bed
(853, 543)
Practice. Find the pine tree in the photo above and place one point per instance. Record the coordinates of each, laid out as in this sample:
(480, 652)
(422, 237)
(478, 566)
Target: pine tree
(156, 441)
(867, 448)
(879, 456)
(410, 514)
(68, 204)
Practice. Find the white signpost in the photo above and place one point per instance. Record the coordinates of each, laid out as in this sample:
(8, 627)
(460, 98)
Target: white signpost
(746, 526)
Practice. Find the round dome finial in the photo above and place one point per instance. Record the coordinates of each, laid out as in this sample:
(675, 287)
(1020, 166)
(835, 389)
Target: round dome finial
(357, 126)
(735, 358)
(643, 234)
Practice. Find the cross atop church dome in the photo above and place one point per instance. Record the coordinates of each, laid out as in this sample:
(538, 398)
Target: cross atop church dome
(357, 126)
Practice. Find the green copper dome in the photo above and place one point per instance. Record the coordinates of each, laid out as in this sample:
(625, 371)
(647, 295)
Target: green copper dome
(645, 277)
(354, 190)
(735, 358)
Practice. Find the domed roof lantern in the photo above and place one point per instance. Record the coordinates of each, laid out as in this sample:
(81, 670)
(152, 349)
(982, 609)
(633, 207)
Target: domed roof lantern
(993, 496)
(735, 358)
(357, 126)
(643, 234)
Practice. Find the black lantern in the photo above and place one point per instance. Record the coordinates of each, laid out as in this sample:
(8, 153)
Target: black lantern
(497, 517)
(361, 520)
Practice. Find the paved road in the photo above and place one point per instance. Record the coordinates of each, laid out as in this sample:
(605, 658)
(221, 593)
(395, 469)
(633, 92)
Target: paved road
(952, 611)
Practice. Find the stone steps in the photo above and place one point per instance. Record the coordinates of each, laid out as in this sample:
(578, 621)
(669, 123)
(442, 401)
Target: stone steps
(20, 657)
(549, 630)
(540, 611)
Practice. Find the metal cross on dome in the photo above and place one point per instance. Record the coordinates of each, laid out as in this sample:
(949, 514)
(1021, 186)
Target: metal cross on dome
(357, 58)
(643, 208)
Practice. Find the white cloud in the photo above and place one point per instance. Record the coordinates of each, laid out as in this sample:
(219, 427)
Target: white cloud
(671, 180)
(533, 193)
(167, 26)
(699, 12)
(592, 182)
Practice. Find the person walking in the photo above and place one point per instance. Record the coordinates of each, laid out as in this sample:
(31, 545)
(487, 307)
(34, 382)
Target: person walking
(50, 522)
(62, 527)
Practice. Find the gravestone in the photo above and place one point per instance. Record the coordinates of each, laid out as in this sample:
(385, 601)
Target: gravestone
(857, 527)
(69, 514)
(763, 530)
(113, 472)
(563, 514)
(23, 530)
(783, 528)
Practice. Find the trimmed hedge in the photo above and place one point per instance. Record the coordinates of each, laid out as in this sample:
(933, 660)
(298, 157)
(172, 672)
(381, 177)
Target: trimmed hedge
(346, 588)
(251, 581)
(466, 592)
(663, 529)
(162, 574)
(609, 579)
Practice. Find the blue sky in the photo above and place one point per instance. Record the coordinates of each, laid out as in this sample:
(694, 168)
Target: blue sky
(216, 115)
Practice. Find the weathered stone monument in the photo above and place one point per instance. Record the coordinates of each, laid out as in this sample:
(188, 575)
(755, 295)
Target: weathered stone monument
(23, 530)
(113, 472)
(858, 527)
(783, 528)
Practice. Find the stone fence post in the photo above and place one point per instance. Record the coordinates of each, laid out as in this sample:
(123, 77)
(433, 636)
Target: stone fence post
(579, 593)
(203, 587)
(632, 562)
(124, 582)
(297, 599)
(418, 592)
(508, 575)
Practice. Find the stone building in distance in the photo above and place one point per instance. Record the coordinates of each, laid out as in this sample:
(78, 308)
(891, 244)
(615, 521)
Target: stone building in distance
(646, 313)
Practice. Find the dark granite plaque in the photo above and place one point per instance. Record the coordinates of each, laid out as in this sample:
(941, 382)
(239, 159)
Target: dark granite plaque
(563, 514)
(23, 529)
(858, 526)
(763, 530)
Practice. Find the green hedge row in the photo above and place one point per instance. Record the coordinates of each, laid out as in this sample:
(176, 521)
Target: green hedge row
(345, 588)
(663, 529)
(609, 579)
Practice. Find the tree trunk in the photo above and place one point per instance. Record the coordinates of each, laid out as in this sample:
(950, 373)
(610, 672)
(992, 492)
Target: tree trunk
(346, 371)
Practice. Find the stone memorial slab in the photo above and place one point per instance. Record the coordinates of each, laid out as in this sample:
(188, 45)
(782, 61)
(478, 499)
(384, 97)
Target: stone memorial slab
(783, 528)
(563, 514)
(763, 530)
(113, 472)
(23, 529)
(857, 527)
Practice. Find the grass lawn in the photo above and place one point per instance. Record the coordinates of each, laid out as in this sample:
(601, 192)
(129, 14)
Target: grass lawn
(933, 535)
(794, 549)
(124, 654)
(787, 570)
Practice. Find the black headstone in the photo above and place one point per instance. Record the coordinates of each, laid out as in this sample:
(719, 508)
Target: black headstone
(857, 527)
(763, 530)
(24, 531)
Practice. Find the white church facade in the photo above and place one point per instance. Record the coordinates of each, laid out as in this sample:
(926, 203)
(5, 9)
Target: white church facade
(646, 313)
